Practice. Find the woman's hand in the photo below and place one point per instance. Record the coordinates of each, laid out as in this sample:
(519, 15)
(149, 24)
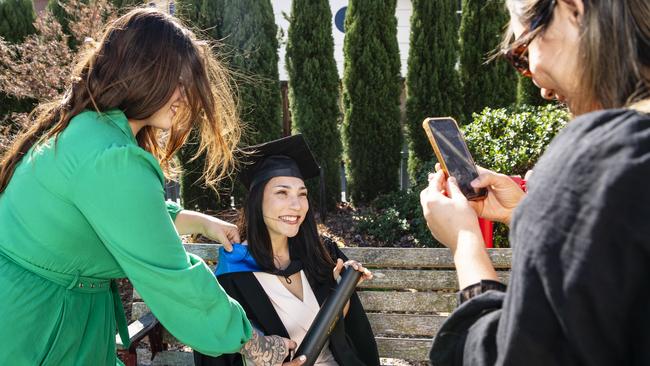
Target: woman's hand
(269, 351)
(454, 223)
(367, 275)
(504, 195)
(192, 222)
(450, 216)
(221, 231)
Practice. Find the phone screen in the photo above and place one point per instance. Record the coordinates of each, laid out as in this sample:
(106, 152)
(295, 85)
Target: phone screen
(454, 154)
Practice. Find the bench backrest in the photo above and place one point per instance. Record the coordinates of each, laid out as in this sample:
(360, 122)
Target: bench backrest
(413, 291)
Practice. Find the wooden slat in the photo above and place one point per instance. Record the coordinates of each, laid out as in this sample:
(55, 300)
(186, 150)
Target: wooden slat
(418, 279)
(418, 257)
(413, 349)
(209, 252)
(405, 324)
(138, 328)
(139, 309)
(412, 302)
(383, 257)
(173, 358)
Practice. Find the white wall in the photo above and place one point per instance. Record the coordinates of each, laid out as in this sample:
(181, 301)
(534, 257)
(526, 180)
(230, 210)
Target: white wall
(402, 12)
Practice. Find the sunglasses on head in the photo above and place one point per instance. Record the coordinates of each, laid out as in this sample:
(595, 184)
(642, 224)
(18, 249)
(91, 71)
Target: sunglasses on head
(517, 53)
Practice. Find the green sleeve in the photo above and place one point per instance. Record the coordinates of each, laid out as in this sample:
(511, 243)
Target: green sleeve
(120, 193)
(173, 209)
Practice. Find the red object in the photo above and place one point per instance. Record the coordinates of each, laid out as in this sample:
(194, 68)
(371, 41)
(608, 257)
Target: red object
(487, 227)
(486, 230)
(521, 182)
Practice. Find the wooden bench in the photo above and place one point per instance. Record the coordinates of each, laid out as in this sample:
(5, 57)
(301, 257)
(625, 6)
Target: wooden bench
(413, 291)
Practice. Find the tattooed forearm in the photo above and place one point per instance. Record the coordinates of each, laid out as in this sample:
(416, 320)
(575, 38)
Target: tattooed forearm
(265, 351)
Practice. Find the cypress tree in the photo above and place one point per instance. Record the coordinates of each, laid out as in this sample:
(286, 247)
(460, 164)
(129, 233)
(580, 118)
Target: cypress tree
(492, 84)
(371, 93)
(249, 38)
(200, 16)
(314, 88)
(249, 30)
(432, 81)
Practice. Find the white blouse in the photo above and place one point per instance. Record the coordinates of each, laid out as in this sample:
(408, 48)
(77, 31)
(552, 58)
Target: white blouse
(296, 315)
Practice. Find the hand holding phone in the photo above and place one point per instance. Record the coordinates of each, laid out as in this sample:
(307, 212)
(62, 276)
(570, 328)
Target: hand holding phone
(452, 153)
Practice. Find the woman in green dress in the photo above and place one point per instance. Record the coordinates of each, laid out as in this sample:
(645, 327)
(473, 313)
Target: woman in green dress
(81, 204)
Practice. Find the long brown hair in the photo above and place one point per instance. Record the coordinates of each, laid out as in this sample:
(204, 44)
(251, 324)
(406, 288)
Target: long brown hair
(614, 50)
(141, 59)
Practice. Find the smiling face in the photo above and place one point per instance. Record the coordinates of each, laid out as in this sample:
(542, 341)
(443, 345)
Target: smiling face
(284, 206)
(554, 55)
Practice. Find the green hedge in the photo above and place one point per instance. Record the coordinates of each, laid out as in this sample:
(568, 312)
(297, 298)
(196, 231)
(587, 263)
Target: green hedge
(507, 140)
(511, 141)
(397, 216)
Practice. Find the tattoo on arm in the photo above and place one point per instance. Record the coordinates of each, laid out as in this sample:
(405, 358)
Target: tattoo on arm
(265, 351)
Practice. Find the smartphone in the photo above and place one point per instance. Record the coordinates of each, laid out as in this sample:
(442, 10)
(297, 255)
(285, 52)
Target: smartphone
(452, 153)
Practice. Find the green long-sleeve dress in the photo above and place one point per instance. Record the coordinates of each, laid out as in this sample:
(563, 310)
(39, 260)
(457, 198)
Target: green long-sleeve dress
(79, 213)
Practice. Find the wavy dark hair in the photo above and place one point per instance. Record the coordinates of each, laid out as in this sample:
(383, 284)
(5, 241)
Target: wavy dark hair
(614, 49)
(141, 59)
(306, 245)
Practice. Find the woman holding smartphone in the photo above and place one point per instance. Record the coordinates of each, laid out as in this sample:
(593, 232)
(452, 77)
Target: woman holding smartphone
(581, 243)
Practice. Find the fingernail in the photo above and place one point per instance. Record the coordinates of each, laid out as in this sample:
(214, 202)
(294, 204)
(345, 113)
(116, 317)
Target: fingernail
(302, 358)
(474, 183)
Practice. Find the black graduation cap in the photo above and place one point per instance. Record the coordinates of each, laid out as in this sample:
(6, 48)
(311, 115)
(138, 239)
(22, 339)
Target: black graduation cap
(286, 157)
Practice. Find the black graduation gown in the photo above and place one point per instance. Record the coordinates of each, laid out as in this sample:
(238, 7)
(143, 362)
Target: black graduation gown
(352, 342)
(578, 293)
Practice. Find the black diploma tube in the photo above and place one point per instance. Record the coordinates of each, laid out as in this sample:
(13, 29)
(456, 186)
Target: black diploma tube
(327, 316)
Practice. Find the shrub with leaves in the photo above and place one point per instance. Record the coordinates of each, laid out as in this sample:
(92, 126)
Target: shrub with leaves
(16, 23)
(386, 228)
(395, 219)
(509, 141)
(38, 68)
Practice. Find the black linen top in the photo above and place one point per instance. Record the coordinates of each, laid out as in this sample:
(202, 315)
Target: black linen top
(579, 289)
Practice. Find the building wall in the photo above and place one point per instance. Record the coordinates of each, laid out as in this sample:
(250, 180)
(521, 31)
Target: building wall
(282, 9)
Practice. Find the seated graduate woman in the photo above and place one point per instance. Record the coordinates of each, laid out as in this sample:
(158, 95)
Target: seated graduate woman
(284, 273)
